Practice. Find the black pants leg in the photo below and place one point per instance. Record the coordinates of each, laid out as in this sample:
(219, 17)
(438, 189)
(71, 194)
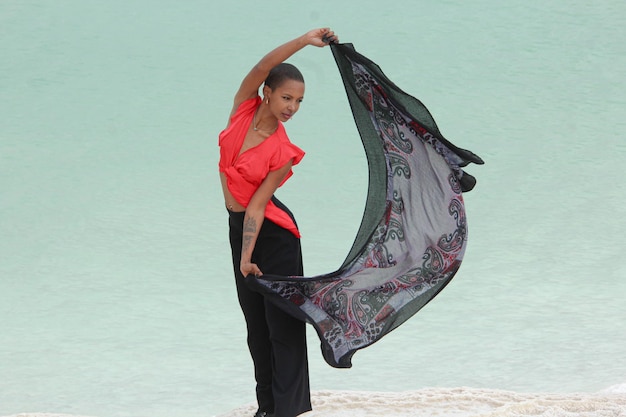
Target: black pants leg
(276, 340)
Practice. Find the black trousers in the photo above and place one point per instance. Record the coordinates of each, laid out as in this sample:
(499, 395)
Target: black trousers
(276, 340)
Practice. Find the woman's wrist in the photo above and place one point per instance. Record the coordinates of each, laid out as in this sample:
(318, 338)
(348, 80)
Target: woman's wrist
(303, 41)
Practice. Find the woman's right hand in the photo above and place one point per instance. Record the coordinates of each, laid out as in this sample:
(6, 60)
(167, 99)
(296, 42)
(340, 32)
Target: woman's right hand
(248, 268)
(321, 37)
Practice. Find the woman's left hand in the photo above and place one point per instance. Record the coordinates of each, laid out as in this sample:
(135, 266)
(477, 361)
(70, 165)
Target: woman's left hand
(321, 37)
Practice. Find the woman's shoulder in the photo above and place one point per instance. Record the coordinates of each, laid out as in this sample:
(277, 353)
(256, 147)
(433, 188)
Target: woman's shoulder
(247, 106)
(285, 148)
(238, 120)
(284, 137)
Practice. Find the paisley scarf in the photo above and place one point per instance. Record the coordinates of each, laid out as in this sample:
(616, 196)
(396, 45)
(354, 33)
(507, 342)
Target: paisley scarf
(414, 230)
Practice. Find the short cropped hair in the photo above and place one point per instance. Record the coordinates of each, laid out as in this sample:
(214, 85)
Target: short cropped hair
(281, 73)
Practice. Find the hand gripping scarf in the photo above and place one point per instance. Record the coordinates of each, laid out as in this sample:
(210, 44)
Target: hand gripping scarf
(413, 232)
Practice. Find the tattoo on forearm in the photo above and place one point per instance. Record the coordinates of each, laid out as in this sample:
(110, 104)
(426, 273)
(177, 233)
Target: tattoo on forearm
(247, 240)
(249, 226)
(249, 232)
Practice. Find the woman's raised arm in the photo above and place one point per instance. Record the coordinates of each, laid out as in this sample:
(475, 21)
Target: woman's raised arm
(249, 87)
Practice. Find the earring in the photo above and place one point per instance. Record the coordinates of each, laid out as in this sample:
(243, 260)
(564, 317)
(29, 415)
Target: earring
(267, 100)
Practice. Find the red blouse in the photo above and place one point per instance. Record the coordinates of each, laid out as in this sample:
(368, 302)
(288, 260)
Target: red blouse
(245, 172)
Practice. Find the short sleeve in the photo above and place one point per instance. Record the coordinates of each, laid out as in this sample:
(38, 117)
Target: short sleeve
(245, 109)
(286, 152)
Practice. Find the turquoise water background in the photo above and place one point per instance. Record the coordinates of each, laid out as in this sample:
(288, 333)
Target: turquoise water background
(116, 291)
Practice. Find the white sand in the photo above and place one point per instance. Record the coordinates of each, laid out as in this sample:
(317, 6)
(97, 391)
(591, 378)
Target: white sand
(458, 402)
(450, 402)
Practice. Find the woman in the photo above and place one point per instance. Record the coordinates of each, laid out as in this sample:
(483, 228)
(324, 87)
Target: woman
(256, 157)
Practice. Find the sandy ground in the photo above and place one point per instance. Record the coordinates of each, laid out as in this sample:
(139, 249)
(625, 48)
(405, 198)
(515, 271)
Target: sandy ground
(452, 402)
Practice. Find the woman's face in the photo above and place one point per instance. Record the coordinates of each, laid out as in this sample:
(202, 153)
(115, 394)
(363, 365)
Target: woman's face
(285, 99)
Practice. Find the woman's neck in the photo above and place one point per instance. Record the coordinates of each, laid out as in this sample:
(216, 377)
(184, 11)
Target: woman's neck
(264, 120)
